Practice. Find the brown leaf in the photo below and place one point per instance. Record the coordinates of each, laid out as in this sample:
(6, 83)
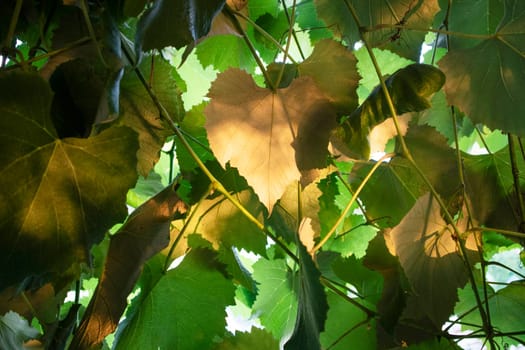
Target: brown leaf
(144, 234)
(269, 136)
(428, 252)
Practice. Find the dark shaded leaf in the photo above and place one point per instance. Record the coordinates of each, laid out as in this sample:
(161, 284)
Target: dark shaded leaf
(44, 177)
(143, 235)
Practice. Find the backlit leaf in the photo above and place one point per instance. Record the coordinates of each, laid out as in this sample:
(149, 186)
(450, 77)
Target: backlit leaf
(44, 177)
(406, 43)
(256, 339)
(143, 235)
(409, 88)
(491, 71)
(269, 136)
(188, 304)
(428, 253)
(176, 23)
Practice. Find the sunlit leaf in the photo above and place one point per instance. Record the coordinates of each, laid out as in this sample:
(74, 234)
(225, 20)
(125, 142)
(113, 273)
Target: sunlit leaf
(44, 177)
(491, 71)
(429, 254)
(313, 307)
(409, 88)
(144, 234)
(269, 136)
(406, 43)
(211, 52)
(333, 69)
(14, 331)
(141, 114)
(276, 303)
(176, 23)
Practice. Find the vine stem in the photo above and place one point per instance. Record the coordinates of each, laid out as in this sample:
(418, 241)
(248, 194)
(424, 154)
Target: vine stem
(432, 30)
(407, 154)
(350, 203)
(215, 184)
(516, 180)
(287, 48)
(12, 27)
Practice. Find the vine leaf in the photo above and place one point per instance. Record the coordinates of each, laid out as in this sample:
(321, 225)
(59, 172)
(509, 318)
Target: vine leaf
(14, 331)
(144, 234)
(428, 253)
(256, 339)
(406, 43)
(409, 88)
(176, 23)
(190, 299)
(269, 136)
(313, 307)
(141, 114)
(334, 70)
(491, 71)
(45, 177)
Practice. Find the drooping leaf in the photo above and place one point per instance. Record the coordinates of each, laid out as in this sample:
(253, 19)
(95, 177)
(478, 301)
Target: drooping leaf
(313, 307)
(256, 339)
(144, 234)
(347, 326)
(491, 71)
(269, 136)
(333, 69)
(141, 114)
(276, 303)
(406, 43)
(14, 331)
(176, 23)
(429, 254)
(44, 177)
(188, 303)
(409, 88)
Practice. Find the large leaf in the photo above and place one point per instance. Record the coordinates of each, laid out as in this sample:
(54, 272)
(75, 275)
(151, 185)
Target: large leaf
(141, 114)
(313, 307)
(269, 136)
(429, 254)
(176, 23)
(491, 71)
(188, 305)
(409, 88)
(58, 196)
(256, 339)
(144, 234)
(333, 69)
(417, 14)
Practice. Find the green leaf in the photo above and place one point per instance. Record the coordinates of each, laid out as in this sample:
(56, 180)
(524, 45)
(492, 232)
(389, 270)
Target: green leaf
(176, 23)
(257, 8)
(333, 69)
(85, 178)
(430, 258)
(435, 344)
(276, 303)
(129, 249)
(313, 307)
(256, 339)
(491, 71)
(140, 113)
(188, 306)
(308, 20)
(406, 43)
(14, 331)
(409, 88)
(211, 52)
(347, 327)
(269, 136)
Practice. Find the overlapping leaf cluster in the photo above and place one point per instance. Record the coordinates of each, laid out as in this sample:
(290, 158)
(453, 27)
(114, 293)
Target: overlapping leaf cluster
(274, 161)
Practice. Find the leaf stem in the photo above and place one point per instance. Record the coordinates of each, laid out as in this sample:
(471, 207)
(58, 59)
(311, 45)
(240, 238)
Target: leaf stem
(12, 28)
(327, 283)
(377, 27)
(287, 49)
(516, 182)
(291, 23)
(350, 203)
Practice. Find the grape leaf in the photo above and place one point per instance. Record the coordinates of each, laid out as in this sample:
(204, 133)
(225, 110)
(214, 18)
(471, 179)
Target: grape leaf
(141, 114)
(143, 235)
(14, 331)
(409, 88)
(211, 52)
(256, 339)
(406, 43)
(276, 303)
(269, 136)
(188, 304)
(44, 177)
(428, 253)
(333, 69)
(491, 71)
(175, 23)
